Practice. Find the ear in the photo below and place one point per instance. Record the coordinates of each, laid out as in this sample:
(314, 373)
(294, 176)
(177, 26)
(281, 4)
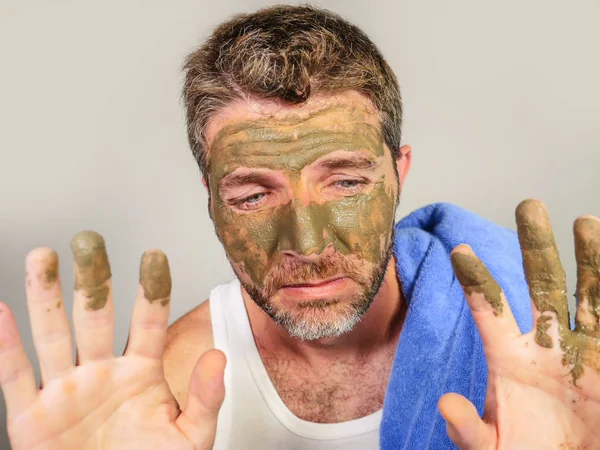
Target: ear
(403, 162)
(205, 184)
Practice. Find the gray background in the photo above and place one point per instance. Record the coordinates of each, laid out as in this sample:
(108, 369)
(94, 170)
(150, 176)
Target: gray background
(501, 103)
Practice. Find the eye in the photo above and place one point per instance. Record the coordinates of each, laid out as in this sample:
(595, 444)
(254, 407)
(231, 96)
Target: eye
(252, 201)
(253, 198)
(348, 184)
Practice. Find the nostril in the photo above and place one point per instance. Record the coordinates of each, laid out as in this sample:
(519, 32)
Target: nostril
(309, 255)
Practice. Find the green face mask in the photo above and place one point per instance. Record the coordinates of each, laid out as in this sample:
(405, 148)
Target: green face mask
(305, 219)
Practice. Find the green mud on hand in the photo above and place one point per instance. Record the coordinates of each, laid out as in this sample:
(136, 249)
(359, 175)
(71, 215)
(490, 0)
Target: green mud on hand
(475, 277)
(542, 338)
(50, 273)
(155, 277)
(587, 251)
(92, 269)
(546, 279)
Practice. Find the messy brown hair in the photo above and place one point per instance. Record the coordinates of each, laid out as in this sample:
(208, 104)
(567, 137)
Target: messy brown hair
(286, 52)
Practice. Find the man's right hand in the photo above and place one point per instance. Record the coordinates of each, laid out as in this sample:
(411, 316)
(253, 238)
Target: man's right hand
(102, 402)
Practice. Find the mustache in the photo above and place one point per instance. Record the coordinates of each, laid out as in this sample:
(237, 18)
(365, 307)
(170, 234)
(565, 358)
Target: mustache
(292, 271)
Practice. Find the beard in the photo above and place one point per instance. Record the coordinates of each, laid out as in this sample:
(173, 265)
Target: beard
(327, 317)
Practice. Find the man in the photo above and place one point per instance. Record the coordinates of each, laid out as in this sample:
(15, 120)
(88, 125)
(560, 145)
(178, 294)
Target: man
(294, 118)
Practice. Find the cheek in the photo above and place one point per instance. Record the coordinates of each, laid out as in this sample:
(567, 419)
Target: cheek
(365, 222)
(247, 242)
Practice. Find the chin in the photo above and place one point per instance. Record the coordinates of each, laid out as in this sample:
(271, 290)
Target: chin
(311, 327)
(312, 319)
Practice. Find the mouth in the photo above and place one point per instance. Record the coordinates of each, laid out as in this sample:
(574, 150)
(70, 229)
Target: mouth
(321, 289)
(314, 283)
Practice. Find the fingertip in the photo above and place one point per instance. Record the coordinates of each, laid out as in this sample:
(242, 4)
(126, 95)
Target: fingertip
(453, 406)
(529, 205)
(461, 249)
(532, 213)
(463, 424)
(445, 403)
(9, 334)
(588, 217)
(6, 318)
(40, 254)
(155, 251)
(586, 226)
(207, 383)
(214, 361)
(218, 356)
(469, 269)
(155, 276)
(87, 241)
(481, 290)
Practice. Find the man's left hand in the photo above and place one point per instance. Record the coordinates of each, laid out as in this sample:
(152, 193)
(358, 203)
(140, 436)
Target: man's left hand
(544, 386)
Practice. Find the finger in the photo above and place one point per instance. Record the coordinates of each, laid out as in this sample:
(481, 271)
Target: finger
(93, 308)
(49, 322)
(489, 307)
(587, 251)
(205, 396)
(464, 426)
(151, 312)
(16, 374)
(543, 270)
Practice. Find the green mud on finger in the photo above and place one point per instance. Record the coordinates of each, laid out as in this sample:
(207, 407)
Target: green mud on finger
(547, 284)
(476, 278)
(587, 251)
(155, 277)
(92, 269)
(545, 274)
(49, 275)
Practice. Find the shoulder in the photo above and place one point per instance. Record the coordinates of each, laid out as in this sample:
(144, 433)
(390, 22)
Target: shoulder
(187, 339)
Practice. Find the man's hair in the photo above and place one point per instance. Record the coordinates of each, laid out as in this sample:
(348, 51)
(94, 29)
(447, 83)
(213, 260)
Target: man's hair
(287, 53)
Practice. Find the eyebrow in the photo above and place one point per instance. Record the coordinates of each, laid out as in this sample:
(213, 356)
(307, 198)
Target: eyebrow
(235, 180)
(361, 163)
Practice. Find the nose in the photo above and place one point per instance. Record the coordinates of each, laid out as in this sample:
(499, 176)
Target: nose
(304, 230)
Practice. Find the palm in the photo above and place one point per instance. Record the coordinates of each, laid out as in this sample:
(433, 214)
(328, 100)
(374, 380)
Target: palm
(104, 402)
(532, 402)
(543, 387)
(123, 391)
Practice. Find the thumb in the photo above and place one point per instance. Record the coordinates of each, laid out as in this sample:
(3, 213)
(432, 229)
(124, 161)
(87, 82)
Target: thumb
(206, 393)
(463, 424)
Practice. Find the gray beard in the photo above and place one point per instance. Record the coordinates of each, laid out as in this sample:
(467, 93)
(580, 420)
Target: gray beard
(303, 327)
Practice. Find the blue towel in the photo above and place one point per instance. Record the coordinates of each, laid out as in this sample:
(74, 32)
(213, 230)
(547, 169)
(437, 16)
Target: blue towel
(440, 349)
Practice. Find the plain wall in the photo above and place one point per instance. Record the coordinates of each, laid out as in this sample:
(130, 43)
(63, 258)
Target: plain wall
(500, 102)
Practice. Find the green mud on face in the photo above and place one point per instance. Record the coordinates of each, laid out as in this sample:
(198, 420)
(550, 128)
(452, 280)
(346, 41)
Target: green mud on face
(92, 269)
(292, 144)
(155, 277)
(360, 224)
(474, 277)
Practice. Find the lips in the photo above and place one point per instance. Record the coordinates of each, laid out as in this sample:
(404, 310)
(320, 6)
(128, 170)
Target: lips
(324, 289)
(313, 284)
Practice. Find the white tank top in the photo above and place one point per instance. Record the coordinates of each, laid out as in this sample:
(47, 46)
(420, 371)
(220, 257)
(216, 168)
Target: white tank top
(253, 416)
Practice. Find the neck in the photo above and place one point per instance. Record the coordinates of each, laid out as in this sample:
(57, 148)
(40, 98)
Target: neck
(379, 328)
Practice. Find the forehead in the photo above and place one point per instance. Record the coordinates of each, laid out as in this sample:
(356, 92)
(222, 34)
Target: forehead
(343, 117)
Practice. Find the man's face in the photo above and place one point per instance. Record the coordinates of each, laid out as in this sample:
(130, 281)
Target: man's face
(303, 199)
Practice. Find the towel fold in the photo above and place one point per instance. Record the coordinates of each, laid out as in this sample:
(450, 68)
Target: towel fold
(440, 349)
